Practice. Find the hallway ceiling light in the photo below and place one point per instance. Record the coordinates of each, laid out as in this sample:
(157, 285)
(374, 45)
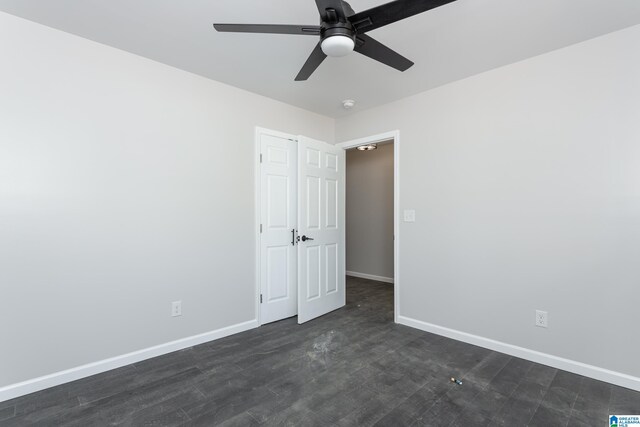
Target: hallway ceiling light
(367, 147)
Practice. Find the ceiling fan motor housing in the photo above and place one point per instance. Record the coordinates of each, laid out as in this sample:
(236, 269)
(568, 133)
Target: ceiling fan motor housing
(337, 33)
(337, 24)
(344, 29)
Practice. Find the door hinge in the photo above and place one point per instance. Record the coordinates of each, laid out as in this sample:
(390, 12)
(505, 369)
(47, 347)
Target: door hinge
(261, 228)
(260, 157)
(260, 298)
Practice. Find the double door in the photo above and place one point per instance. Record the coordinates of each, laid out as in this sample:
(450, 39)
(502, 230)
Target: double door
(302, 217)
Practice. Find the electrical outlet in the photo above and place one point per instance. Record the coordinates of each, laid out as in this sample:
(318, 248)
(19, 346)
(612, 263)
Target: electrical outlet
(541, 319)
(176, 308)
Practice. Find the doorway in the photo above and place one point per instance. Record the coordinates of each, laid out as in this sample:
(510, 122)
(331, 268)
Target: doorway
(389, 141)
(369, 212)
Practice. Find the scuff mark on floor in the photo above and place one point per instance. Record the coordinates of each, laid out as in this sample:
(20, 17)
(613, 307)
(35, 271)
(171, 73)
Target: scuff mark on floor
(323, 342)
(321, 347)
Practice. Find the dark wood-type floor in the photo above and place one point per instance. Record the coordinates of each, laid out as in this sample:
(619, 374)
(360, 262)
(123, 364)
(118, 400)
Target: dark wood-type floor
(351, 367)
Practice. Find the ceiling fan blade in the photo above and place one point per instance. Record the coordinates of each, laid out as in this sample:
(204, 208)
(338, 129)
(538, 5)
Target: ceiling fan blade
(325, 6)
(381, 53)
(311, 30)
(313, 62)
(388, 13)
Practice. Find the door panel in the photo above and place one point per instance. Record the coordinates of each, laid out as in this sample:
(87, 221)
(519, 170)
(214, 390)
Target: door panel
(278, 193)
(332, 204)
(332, 268)
(313, 271)
(278, 189)
(321, 203)
(313, 203)
(313, 157)
(277, 273)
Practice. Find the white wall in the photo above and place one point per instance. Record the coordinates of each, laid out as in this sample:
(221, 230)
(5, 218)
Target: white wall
(369, 212)
(526, 185)
(125, 184)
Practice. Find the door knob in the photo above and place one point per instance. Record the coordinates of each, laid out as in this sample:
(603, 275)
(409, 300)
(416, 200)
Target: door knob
(305, 238)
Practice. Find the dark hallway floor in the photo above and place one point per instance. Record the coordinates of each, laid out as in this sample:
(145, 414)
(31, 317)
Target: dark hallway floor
(351, 367)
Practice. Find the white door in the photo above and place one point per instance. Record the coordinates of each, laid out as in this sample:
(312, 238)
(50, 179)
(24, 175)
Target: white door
(278, 191)
(321, 228)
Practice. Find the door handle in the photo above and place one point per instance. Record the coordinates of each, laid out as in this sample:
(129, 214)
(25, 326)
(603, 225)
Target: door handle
(293, 237)
(305, 238)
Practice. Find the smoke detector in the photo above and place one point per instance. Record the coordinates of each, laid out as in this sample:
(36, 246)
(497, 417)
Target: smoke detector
(348, 104)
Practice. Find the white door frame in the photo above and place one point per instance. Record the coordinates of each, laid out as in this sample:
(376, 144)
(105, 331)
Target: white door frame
(258, 206)
(381, 137)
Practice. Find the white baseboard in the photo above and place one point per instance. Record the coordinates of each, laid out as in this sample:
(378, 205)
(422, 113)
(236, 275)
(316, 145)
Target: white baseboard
(579, 368)
(36, 384)
(370, 276)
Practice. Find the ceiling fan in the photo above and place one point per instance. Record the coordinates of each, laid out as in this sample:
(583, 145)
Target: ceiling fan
(341, 31)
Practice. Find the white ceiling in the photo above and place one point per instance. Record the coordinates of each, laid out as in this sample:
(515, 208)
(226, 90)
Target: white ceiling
(452, 42)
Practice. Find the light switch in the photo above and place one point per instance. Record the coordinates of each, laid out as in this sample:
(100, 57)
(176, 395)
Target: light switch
(409, 215)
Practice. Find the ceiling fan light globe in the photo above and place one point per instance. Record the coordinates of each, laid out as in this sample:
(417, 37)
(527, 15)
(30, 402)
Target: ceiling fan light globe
(337, 46)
